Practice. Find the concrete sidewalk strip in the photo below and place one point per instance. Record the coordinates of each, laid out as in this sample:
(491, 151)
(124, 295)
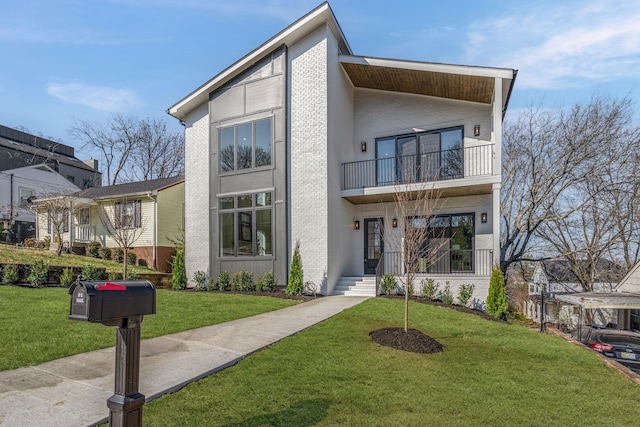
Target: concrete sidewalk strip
(73, 391)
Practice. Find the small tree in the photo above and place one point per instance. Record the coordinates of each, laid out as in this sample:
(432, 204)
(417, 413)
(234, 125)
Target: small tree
(123, 222)
(179, 279)
(55, 208)
(296, 276)
(497, 299)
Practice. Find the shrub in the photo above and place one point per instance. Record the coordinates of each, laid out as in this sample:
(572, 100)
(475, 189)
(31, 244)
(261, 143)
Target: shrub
(132, 274)
(213, 285)
(430, 288)
(224, 281)
(243, 281)
(40, 245)
(132, 258)
(38, 273)
(200, 277)
(497, 299)
(266, 283)
(67, 277)
(29, 243)
(296, 275)
(118, 255)
(46, 243)
(93, 249)
(105, 253)
(179, 278)
(10, 274)
(447, 297)
(114, 275)
(388, 284)
(90, 272)
(464, 293)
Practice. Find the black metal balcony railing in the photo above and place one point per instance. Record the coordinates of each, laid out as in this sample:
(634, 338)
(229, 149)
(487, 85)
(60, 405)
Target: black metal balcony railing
(444, 262)
(427, 167)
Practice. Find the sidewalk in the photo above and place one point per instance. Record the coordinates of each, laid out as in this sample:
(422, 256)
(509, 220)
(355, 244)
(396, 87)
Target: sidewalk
(73, 391)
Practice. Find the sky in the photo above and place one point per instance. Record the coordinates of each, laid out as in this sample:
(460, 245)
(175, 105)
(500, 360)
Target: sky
(70, 60)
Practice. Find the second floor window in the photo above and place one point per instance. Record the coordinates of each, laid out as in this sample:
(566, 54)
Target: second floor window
(245, 146)
(128, 214)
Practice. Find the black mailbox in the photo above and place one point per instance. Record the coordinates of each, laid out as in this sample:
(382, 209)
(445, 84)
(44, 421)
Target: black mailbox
(100, 301)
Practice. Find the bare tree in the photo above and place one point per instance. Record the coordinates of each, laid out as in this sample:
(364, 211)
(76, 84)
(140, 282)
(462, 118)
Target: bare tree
(123, 223)
(56, 209)
(547, 155)
(133, 149)
(418, 246)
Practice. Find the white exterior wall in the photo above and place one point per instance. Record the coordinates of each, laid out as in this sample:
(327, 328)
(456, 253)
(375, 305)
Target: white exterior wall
(43, 182)
(196, 191)
(341, 145)
(307, 69)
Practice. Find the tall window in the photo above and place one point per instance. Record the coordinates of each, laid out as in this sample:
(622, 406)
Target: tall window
(246, 225)
(452, 236)
(83, 216)
(128, 214)
(245, 146)
(419, 157)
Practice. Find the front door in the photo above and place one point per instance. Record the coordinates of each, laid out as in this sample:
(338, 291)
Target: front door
(373, 244)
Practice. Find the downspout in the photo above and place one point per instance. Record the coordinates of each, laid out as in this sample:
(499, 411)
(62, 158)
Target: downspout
(155, 229)
(11, 200)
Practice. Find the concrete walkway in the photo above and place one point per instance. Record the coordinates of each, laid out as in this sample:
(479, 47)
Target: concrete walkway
(73, 391)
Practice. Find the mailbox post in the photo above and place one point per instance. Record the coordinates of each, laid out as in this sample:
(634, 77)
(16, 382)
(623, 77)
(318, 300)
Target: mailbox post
(122, 304)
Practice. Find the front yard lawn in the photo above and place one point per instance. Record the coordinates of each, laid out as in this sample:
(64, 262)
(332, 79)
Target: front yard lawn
(489, 374)
(34, 325)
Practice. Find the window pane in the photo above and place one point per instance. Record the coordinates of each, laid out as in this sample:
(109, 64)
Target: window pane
(227, 238)
(226, 203)
(452, 154)
(462, 232)
(245, 235)
(226, 150)
(386, 161)
(244, 201)
(407, 158)
(263, 143)
(245, 145)
(263, 199)
(263, 232)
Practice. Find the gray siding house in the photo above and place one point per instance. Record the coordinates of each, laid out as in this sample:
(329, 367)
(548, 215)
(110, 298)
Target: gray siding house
(301, 140)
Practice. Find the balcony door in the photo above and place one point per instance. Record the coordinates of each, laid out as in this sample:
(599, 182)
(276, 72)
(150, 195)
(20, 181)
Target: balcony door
(373, 244)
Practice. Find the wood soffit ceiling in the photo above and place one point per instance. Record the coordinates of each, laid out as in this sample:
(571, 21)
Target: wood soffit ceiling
(430, 83)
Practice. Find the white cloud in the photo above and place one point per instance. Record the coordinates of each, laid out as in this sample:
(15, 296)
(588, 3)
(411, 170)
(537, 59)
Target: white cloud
(561, 45)
(97, 97)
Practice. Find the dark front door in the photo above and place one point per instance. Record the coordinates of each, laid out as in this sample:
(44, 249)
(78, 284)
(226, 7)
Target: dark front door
(373, 244)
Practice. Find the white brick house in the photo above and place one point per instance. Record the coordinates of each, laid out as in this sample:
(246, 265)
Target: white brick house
(300, 140)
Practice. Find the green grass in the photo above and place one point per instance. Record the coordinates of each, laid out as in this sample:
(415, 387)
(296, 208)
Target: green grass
(10, 254)
(490, 374)
(34, 325)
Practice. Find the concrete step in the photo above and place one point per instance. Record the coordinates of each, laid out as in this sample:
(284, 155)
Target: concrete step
(356, 286)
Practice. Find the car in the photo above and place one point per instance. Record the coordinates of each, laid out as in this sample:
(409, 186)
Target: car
(623, 346)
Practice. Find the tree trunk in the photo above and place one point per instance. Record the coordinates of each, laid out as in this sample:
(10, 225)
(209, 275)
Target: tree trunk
(125, 263)
(406, 306)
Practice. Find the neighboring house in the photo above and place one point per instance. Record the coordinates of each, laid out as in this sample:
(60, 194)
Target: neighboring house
(630, 284)
(18, 187)
(152, 211)
(301, 140)
(554, 278)
(19, 149)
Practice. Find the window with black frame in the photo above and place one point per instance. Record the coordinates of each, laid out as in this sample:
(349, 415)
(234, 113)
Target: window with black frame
(421, 157)
(245, 146)
(246, 225)
(451, 238)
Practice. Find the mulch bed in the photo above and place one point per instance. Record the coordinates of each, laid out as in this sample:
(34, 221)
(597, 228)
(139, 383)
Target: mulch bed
(413, 340)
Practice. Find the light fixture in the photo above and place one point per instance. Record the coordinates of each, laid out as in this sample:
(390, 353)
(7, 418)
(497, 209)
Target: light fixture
(394, 223)
(363, 146)
(476, 130)
(483, 217)
(356, 225)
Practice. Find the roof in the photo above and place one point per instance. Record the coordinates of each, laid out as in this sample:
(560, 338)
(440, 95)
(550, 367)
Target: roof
(45, 154)
(129, 189)
(475, 84)
(559, 271)
(601, 299)
(288, 36)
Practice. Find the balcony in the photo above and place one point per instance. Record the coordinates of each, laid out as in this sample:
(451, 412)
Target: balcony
(85, 233)
(456, 164)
